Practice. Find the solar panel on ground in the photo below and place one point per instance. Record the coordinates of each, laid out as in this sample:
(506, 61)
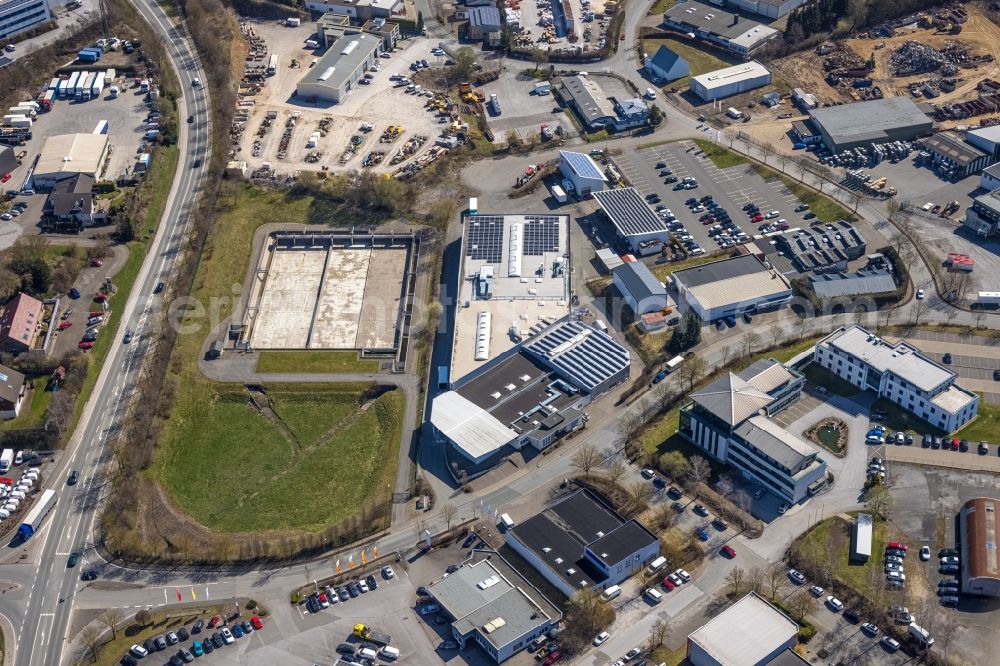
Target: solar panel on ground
(541, 234)
(484, 238)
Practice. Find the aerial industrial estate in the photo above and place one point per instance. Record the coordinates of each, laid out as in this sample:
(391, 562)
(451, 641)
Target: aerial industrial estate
(399, 331)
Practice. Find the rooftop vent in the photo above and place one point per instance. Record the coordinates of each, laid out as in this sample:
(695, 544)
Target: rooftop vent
(494, 624)
(488, 583)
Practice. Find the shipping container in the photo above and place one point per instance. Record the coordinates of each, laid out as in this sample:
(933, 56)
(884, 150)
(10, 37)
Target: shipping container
(54, 84)
(22, 122)
(110, 75)
(88, 85)
(293, 22)
(48, 99)
(70, 88)
(98, 89)
(33, 521)
(21, 110)
(63, 85)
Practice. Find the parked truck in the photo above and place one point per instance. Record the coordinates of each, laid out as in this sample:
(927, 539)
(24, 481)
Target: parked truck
(371, 635)
(922, 635)
(272, 65)
(6, 460)
(33, 521)
(98, 88)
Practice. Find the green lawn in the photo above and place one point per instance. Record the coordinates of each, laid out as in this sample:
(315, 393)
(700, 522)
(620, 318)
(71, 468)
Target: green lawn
(35, 412)
(663, 271)
(986, 426)
(721, 157)
(661, 6)
(820, 376)
(330, 458)
(826, 209)
(699, 61)
(315, 361)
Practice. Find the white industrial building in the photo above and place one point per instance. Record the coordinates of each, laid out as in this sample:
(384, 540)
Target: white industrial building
(861, 538)
(730, 81)
(667, 65)
(631, 216)
(728, 30)
(640, 288)
(340, 68)
(20, 15)
(359, 9)
(751, 632)
(66, 155)
(986, 138)
(989, 179)
(772, 9)
(582, 173)
(730, 287)
(899, 373)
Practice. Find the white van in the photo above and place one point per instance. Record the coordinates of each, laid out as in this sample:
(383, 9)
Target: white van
(368, 653)
(656, 565)
(4, 513)
(650, 93)
(390, 653)
(17, 494)
(506, 522)
(539, 641)
(611, 592)
(653, 595)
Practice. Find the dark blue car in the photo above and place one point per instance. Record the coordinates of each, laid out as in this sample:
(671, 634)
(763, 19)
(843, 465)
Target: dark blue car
(237, 630)
(660, 376)
(74, 293)
(731, 321)
(702, 533)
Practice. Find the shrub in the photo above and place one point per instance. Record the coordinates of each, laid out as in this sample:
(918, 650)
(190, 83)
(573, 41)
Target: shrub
(296, 598)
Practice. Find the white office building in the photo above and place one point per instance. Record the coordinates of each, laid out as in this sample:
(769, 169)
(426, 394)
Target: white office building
(900, 374)
(20, 15)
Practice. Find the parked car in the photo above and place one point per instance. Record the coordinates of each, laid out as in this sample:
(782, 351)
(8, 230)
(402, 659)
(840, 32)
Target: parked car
(728, 551)
(890, 643)
(601, 637)
(700, 510)
(388, 573)
(797, 577)
(816, 591)
(835, 604)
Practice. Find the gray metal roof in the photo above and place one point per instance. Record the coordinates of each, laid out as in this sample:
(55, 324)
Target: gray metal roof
(993, 170)
(488, 17)
(818, 247)
(341, 60)
(582, 165)
(715, 271)
(832, 285)
(11, 382)
(589, 99)
(732, 399)
(629, 212)
(665, 58)
(586, 356)
(951, 146)
(710, 19)
(869, 121)
(747, 632)
(781, 446)
(639, 281)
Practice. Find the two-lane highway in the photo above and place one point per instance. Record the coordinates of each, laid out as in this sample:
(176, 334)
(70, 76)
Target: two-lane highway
(42, 638)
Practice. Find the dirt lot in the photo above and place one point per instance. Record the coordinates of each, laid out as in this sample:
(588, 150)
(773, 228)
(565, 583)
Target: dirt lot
(980, 36)
(380, 104)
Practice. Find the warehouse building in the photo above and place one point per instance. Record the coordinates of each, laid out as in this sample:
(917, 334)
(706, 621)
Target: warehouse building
(989, 179)
(483, 21)
(713, 24)
(598, 111)
(803, 132)
(822, 249)
(488, 602)
(16, 16)
(582, 172)
(631, 216)
(772, 9)
(66, 155)
(362, 10)
(667, 65)
(730, 81)
(751, 632)
(861, 538)
(531, 395)
(730, 287)
(640, 288)
(864, 123)
(986, 139)
(954, 159)
(858, 283)
(581, 543)
(340, 68)
(979, 525)
(730, 421)
(899, 373)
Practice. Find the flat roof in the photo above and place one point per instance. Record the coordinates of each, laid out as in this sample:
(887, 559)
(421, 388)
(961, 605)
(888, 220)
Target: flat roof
(785, 448)
(832, 285)
(993, 171)
(869, 121)
(990, 200)
(629, 212)
(341, 60)
(754, 286)
(981, 518)
(818, 247)
(585, 355)
(953, 399)
(722, 269)
(863, 534)
(472, 428)
(991, 133)
(724, 77)
(717, 21)
(520, 251)
(590, 100)
(951, 146)
(745, 633)
(71, 153)
(639, 281)
(582, 165)
(485, 598)
(902, 359)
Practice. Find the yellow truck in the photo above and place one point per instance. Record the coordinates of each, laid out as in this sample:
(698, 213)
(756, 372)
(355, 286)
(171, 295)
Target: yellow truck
(371, 635)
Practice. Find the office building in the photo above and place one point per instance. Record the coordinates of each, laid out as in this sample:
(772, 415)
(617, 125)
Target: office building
(730, 287)
(899, 373)
(362, 10)
(16, 16)
(581, 543)
(979, 526)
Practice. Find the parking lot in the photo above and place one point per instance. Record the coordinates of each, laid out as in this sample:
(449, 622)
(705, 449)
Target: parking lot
(731, 187)
(381, 104)
(522, 110)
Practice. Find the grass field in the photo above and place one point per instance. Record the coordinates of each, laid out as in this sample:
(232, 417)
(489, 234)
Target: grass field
(901, 419)
(699, 61)
(663, 271)
(721, 157)
(986, 426)
(314, 361)
(661, 6)
(826, 209)
(315, 464)
(35, 412)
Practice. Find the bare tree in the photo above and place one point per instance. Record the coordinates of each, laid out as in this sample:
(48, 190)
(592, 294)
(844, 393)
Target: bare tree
(92, 642)
(143, 617)
(448, 513)
(628, 426)
(783, 161)
(766, 149)
(735, 579)
(776, 333)
(662, 395)
(725, 485)
(742, 499)
(919, 309)
(750, 340)
(113, 618)
(979, 318)
(586, 459)
(616, 470)
(725, 351)
(700, 470)
(777, 581)
(799, 605)
(658, 633)
(639, 491)
(803, 326)
(690, 371)
(755, 579)
(950, 314)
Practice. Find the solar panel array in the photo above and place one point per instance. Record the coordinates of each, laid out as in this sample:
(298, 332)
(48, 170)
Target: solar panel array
(541, 234)
(583, 165)
(590, 363)
(484, 238)
(629, 212)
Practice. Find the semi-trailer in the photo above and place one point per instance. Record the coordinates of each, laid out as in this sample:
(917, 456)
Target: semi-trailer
(98, 88)
(33, 521)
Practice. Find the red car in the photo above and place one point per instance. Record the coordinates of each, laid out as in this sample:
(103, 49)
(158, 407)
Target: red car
(96, 263)
(728, 551)
(63, 325)
(897, 545)
(214, 622)
(954, 445)
(257, 624)
(669, 584)
(553, 658)
(84, 344)
(100, 298)
(757, 218)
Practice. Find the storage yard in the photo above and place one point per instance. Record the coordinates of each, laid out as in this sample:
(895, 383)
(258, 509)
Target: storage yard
(311, 294)
(289, 133)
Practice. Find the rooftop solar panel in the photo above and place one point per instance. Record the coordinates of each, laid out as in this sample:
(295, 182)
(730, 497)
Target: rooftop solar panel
(629, 212)
(541, 234)
(582, 165)
(484, 238)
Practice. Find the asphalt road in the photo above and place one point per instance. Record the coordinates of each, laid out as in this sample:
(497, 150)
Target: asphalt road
(52, 586)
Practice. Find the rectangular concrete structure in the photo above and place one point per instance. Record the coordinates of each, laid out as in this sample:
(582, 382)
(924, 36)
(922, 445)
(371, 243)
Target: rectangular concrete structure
(339, 308)
(378, 319)
(289, 298)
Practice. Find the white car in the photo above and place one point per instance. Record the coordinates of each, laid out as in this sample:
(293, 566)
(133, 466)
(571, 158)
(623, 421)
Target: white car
(920, 294)
(948, 560)
(6, 216)
(683, 575)
(895, 576)
(138, 651)
(835, 604)
(227, 636)
(363, 585)
(889, 643)
(816, 591)
(925, 553)
(196, 82)
(600, 638)
(648, 473)
(388, 573)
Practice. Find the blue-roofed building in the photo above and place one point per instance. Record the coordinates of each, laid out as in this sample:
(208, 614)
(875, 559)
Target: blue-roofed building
(582, 172)
(20, 15)
(667, 65)
(640, 288)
